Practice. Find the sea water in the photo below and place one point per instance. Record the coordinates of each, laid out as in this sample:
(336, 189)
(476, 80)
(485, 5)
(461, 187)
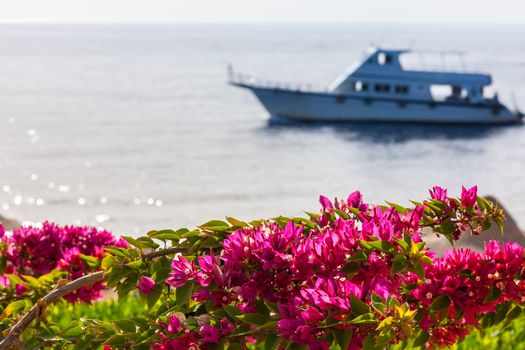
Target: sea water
(134, 127)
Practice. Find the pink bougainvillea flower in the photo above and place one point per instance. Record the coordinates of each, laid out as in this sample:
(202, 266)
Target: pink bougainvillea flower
(20, 289)
(325, 203)
(355, 200)
(209, 334)
(438, 193)
(182, 271)
(174, 324)
(469, 197)
(146, 285)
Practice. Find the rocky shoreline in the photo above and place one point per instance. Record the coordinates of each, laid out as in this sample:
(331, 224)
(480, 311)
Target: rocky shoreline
(9, 224)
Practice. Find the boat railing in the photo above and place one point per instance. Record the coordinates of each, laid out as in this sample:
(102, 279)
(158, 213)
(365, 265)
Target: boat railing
(441, 61)
(250, 80)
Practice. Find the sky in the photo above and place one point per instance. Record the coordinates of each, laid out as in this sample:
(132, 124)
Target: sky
(265, 11)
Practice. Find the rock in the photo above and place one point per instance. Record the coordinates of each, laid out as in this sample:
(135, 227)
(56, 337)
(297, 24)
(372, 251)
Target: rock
(511, 232)
(9, 224)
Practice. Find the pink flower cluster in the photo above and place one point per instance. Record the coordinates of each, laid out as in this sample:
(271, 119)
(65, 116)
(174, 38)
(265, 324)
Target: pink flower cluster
(187, 340)
(470, 279)
(318, 273)
(35, 251)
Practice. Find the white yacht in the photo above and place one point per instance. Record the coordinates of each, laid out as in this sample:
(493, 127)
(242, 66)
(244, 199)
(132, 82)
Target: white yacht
(379, 89)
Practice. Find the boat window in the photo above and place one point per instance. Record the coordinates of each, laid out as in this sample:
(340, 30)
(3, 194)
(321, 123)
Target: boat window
(359, 86)
(401, 89)
(382, 88)
(383, 59)
(448, 93)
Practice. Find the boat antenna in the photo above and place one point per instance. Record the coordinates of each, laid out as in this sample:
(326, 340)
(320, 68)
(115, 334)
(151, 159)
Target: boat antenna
(421, 59)
(230, 72)
(462, 60)
(515, 103)
(443, 61)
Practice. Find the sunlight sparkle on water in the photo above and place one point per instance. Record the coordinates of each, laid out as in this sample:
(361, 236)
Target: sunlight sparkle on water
(63, 188)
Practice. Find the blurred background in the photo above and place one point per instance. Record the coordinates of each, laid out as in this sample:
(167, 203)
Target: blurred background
(127, 121)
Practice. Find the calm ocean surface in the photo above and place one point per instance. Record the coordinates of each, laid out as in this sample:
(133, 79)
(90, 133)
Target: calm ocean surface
(133, 127)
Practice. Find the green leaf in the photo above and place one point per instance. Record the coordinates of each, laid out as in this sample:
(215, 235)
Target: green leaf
(126, 326)
(446, 227)
(232, 310)
(398, 266)
(358, 307)
(116, 340)
(262, 308)
(358, 256)
(440, 303)
(399, 208)
(421, 339)
(370, 344)
(136, 265)
(147, 242)
(381, 245)
(154, 296)
(272, 342)
(183, 294)
(85, 342)
(513, 314)
(116, 251)
(132, 241)
(342, 214)
(32, 281)
(242, 329)
(161, 274)
(418, 269)
(499, 223)
(236, 223)
(253, 318)
(501, 311)
(376, 298)
(13, 307)
(494, 294)
(190, 234)
(107, 262)
(343, 337)
(364, 318)
(168, 234)
(215, 225)
(351, 267)
(90, 260)
(34, 343)
(403, 244)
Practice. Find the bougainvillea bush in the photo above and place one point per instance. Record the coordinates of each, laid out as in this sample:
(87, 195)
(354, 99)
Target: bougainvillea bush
(352, 276)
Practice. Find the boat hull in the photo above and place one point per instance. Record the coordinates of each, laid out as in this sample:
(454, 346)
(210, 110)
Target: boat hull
(324, 106)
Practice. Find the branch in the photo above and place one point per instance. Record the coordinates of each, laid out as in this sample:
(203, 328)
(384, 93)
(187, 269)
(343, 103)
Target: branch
(11, 340)
(164, 252)
(14, 333)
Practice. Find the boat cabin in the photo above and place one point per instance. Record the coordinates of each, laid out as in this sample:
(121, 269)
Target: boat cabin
(381, 74)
